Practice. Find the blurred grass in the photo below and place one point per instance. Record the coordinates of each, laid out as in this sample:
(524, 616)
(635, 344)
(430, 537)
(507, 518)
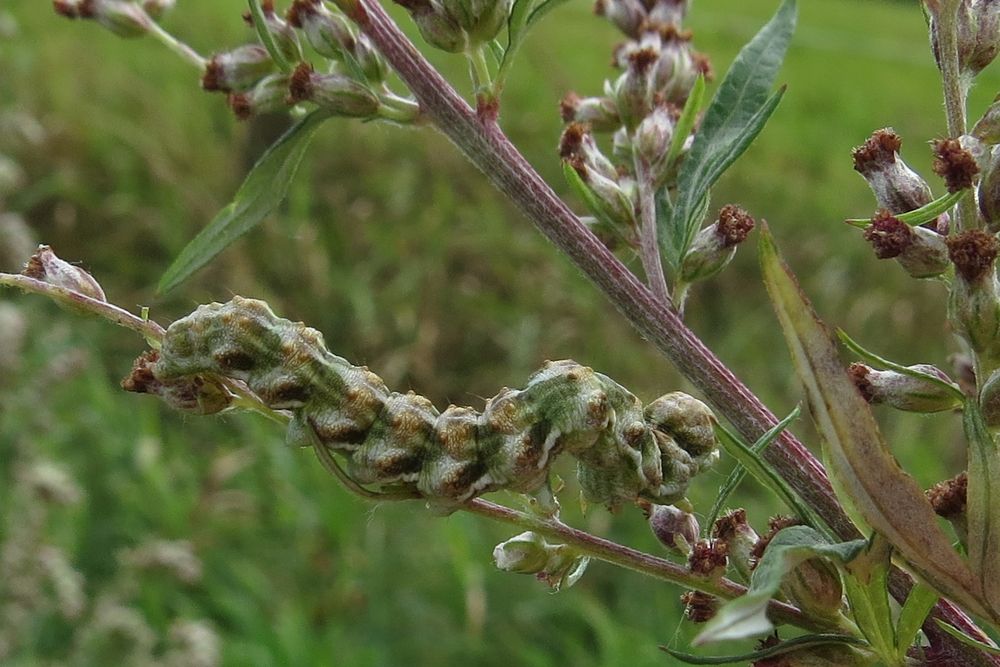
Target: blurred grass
(407, 261)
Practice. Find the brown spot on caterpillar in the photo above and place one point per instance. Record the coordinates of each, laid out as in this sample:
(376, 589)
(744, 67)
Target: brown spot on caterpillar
(233, 360)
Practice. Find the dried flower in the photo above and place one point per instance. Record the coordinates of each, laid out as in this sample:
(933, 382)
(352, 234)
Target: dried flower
(921, 252)
(700, 607)
(955, 164)
(897, 187)
(733, 530)
(44, 265)
(715, 246)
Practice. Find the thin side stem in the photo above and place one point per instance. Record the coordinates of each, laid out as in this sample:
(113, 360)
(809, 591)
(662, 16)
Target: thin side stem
(486, 146)
(180, 48)
(649, 245)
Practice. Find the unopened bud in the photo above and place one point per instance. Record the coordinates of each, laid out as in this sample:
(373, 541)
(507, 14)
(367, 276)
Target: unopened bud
(948, 499)
(978, 34)
(480, 19)
(268, 96)
(989, 400)
(814, 586)
(826, 655)
(237, 70)
(627, 15)
(198, 394)
(676, 529)
(955, 164)
(436, 26)
(733, 530)
(987, 128)
(714, 246)
(988, 192)
(921, 252)
(699, 607)
(897, 187)
(45, 266)
(327, 32)
(653, 138)
(634, 88)
(974, 301)
(905, 392)
(669, 11)
(557, 566)
(125, 19)
(334, 92)
(677, 69)
(600, 113)
(280, 31)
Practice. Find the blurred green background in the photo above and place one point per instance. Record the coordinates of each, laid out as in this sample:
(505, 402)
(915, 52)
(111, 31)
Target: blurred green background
(406, 259)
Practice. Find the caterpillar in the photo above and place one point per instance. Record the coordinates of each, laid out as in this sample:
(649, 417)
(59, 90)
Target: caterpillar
(623, 450)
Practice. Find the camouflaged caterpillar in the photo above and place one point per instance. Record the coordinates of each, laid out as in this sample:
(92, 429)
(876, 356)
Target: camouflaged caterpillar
(623, 451)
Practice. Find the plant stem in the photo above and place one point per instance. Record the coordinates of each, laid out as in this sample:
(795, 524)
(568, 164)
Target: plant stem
(649, 245)
(486, 146)
(175, 45)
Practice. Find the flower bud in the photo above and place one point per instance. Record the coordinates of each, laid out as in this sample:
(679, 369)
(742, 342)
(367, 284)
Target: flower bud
(157, 8)
(480, 19)
(954, 163)
(978, 34)
(974, 301)
(436, 26)
(814, 586)
(989, 400)
(897, 187)
(676, 529)
(280, 31)
(237, 70)
(988, 192)
(634, 88)
(627, 15)
(125, 19)
(327, 32)
(669, 11)
(334, 92)
(268, 96)
(197, 394)
(528, 553)
(987, 128)
(904, 392)
(714, 246)
(708, 559)
(599, 113)
(45, 266)
(921, 252)
(733, 530)
(948, 499)
(677, 68)
(824, 655)
(653, 138)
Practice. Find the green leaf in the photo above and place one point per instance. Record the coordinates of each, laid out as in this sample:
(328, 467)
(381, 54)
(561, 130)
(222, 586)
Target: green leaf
(593, 203)
(785, 647)
(266, 38)
(523, 16)
(918, 216)
(867, 588)
(262, 190)
(755, 464)
(740, 471)
(687, 119)
(918, 604)
(982, 510)
(966, 639)
(746, 616)
(867, 476)
(737, 113)
(876, 360)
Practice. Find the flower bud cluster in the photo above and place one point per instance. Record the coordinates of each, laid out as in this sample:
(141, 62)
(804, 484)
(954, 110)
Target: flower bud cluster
(556, 565)
(978, 28)
(458, 26)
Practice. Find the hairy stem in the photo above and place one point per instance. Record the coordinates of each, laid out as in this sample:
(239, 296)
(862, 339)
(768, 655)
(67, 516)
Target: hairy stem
(175, 45)
(486, 146)
(652, 264)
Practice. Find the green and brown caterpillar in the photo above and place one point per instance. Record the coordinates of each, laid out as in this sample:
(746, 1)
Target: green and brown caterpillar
(623, 451)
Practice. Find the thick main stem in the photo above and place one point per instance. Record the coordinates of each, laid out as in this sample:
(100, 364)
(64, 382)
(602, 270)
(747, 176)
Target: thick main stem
(486, 146)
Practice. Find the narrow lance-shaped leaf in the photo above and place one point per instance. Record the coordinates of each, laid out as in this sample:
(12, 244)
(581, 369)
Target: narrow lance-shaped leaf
(786, 648)
(746, 616)
(264, 188)
(737, 113)
(982, 512)
(868, 476)
(867, 588)
(918, 604)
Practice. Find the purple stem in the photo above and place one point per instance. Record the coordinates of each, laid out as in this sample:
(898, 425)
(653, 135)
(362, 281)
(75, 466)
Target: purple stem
(482, 141)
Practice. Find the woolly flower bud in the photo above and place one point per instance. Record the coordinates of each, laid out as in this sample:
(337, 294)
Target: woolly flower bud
(175, 557)
(904, 392)
(814, 586)
(238, 69)
(600, 113)
(978, 34)
(528, 553)
(676, 529)
(268, 96)
(974, 301)
(125, 19)
(714, 246)
(436, 26)
(897, 187)
(634, 88)
(653, 137)
(669, 11)
(197, 394)
(578, 148)
(334, 92)
(45, 266)
(480, 19)
(955, 164)
(626, 15)
(331, 35)
(733, 530)
(678, 66)
(920, 251)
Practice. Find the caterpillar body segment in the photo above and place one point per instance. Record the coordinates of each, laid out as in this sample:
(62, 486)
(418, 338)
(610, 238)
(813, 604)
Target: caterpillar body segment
(623, 450)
